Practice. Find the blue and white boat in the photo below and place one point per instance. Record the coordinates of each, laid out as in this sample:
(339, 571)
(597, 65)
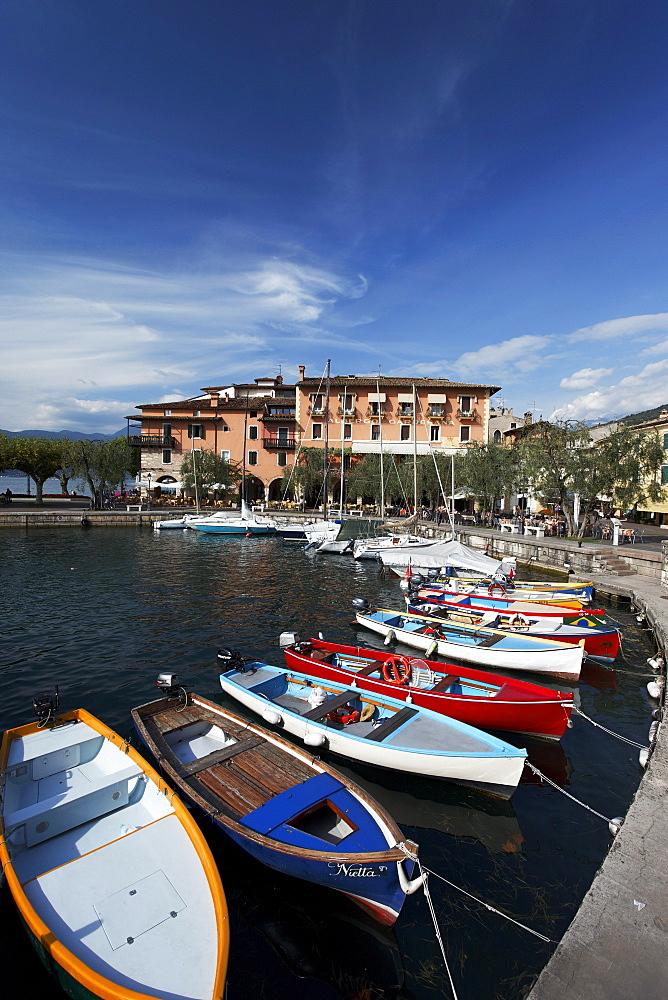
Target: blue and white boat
(373, 728)
(287, 809)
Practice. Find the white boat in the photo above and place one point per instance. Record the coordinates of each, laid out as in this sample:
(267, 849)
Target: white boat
(184, 521)
(111, 875)
(486, 647)
(317, 532)
(372, 548)
(245, 523)
(375, 729)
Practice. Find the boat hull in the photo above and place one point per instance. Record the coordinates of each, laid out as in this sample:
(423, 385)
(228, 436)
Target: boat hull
(364, 864)
(554, 659)
(496, 771)
(83, 819)
(513, 707)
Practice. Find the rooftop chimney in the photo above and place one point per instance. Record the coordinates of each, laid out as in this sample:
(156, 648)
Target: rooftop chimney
(302, 372)
(528, 418)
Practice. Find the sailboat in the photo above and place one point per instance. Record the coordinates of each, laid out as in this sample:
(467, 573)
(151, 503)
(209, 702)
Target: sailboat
(247, 522)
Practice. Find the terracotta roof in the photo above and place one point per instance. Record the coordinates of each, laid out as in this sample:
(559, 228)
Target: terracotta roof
(386, 382)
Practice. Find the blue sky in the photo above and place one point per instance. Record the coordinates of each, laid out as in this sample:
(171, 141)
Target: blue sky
(202, 191)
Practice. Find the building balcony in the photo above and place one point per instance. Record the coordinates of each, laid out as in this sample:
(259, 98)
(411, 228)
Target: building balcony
(467, 414)
(317, 411)
(404, 414)
(376, 414)
(436, 414)
(276, 443)
(286, 416)
(350, 413)
(150, 441)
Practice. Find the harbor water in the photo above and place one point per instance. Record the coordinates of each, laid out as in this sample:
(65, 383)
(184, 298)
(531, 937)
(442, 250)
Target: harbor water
(101, 613)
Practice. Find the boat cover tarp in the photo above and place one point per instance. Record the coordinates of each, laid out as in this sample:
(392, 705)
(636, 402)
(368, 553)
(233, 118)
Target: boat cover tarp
(357, 527)
(438, 555)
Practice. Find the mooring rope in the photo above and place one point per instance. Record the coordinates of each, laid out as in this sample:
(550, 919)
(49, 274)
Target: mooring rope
(624, 739)
(488, 906)
(584, 805)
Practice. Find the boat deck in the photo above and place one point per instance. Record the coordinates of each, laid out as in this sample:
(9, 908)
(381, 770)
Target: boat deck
(236, 779)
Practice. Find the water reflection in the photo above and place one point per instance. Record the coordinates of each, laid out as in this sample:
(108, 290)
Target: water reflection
(100, 612)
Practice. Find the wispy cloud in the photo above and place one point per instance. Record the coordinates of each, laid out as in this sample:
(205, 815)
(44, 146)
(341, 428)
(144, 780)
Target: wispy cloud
(626, 327)
(518, 355)
(133, 335)
(585, 378)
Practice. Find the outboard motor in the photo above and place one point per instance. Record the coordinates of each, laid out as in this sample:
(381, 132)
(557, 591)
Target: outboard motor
(361, 604)
(231, 659)
(45, 707)
(169, 684)
(433, 574)
(416, 581)
(288, 639)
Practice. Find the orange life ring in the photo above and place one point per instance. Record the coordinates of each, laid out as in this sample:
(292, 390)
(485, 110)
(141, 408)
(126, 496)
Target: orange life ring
(397, 670)
(496, 586)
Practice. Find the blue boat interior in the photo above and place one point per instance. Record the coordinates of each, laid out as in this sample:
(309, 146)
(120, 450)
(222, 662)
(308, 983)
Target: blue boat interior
(315, 813)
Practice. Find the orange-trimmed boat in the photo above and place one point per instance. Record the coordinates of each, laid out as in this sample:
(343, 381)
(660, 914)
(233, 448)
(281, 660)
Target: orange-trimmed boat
(111, 875)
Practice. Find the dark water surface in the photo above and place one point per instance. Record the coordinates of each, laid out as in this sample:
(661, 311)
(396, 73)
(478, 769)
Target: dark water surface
(100, 612)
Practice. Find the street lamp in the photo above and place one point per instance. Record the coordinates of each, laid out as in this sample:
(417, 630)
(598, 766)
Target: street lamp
(149, 477)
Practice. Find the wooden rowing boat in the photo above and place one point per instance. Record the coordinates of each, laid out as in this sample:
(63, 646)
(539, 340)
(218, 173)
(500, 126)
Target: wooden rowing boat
(294, 813)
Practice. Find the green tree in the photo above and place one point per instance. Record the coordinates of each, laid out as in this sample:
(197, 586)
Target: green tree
(101, 465)
(39, 458)
(562, 462)
(489, 471)
(202, 471)
(309, 474)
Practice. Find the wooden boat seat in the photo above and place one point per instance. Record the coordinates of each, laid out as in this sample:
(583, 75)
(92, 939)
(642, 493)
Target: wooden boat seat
(446, 682)
(390, 725)
(330, 705)
(83, 801)
(218, 756)
(490, 640)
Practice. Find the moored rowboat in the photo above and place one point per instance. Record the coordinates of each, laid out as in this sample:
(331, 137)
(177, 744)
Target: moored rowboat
(476, 697)
(295, 814)
(374, 729)
(112, 877)
(485, 646)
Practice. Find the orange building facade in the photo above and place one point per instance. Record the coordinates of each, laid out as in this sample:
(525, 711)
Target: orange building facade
(263, 424)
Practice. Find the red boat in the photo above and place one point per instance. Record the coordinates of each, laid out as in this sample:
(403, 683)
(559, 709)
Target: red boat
(482, 699)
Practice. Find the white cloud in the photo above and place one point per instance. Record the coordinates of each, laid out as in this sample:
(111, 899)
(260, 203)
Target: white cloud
(646, 389)
(133, 334)
(518, 355)
(585, 378)
(626, 327)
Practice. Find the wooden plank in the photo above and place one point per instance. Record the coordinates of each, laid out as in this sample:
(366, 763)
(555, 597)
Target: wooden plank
(491, 640)
(445, 683)
(293, 765)
(218, 756)
(241, 796)
(330, 705)
(369, 669)
(389, 726)
(272, 776)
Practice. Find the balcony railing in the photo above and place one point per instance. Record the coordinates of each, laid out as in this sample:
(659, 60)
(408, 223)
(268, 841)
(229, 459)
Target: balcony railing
(274, 442)
(404, 414)
(350, 413)
(467, 414)
(316, 411)
(150, 441)
(436, 413)
(376, 414)
(284, 415)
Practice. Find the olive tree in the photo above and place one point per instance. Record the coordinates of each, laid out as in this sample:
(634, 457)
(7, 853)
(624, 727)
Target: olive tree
(39, 458)
(203, 471)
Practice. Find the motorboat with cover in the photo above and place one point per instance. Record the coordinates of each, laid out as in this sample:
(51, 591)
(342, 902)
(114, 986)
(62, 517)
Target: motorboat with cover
(476, 697)
(111, 875)
(371, 728)
(273, 799)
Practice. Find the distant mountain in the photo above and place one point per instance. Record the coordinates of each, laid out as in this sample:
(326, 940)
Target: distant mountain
(70, 435)
(640, 418)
